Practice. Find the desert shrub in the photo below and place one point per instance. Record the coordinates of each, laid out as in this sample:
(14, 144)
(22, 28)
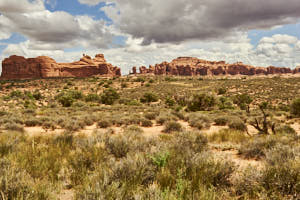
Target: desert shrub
(170, 102)
(221, 121)
(149, 97)
(285, 129)
(92, 98)
(172, 126)
(243, 101)
(222, 91)
(146, 123)
(109, 96)
(124, 85)
(16, 183)
(295, 108)
(160, 159)
(104, 124)
(151, 115)
(118, 146)
(225, 103)
(256, 147)
(31, 122)
(282, 179)
(237, 124)
(198, 120)
(279, 154)
(14, 127)
(73, 125)
(37, 95)
(139, 79)
(65, 101)
(16, 93)
(164, 117)
(201, 102)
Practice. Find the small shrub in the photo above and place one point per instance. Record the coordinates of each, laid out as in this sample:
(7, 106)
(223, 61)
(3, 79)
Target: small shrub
(92, 98)
(221, 121)
(32, 122)
(295, 108)
(14, 127)
(66, 101)
(149, 97)
(285, 129)
(118, 146)
(237, 124)
(256, 148)
(151, 115)
(172, 126)
(146, 123)
(243, 101)
(170, 102)
(222, 91)
(104, 124)
(109, 96)
(201, 102)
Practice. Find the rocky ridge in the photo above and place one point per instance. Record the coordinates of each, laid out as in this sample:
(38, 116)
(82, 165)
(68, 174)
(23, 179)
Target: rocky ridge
(190, 66)
(18, 67)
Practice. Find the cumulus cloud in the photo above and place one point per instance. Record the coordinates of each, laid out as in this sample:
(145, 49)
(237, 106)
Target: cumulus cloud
(53, 30)
(182, 20)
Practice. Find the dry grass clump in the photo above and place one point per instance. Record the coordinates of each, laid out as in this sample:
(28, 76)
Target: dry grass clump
(199, 121)
(228, 135)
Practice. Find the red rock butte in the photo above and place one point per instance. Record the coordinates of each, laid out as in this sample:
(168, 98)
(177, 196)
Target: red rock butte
(18, 67)
(189, 66)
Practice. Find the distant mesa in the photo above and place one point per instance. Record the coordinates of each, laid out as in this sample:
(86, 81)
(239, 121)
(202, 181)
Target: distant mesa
(18, 67)
(190, 66)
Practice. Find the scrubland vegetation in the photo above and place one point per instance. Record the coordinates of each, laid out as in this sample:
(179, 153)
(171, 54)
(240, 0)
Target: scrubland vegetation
(150, 138)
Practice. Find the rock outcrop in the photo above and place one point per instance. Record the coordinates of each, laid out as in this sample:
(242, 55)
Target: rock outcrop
(189, 66)
(18, 67)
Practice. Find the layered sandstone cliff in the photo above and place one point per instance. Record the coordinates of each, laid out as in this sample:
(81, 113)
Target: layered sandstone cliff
(18, 67)
(189, 66)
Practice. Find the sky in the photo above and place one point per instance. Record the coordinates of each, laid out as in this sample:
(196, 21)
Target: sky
(143, 32)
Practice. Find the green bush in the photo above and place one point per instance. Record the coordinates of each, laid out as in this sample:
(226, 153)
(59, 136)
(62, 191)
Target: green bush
(149, 97)
(109, 96)
(16, 93)
(66, 101)
(222, 91)
(295, 108)
(170, 102)
(201, 102)
(92, 98)
(243, 101)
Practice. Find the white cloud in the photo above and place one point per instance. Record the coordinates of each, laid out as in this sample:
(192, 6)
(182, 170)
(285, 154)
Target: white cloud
(90, 2)
(183, 20)
(53, 30)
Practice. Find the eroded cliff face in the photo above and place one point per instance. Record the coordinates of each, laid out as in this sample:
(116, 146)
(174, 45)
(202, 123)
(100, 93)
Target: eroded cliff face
(189, 66)
(18, 67)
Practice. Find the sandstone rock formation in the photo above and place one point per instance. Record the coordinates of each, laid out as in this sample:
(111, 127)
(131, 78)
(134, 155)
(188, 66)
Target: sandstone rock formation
(189, 66)
(18, 67)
